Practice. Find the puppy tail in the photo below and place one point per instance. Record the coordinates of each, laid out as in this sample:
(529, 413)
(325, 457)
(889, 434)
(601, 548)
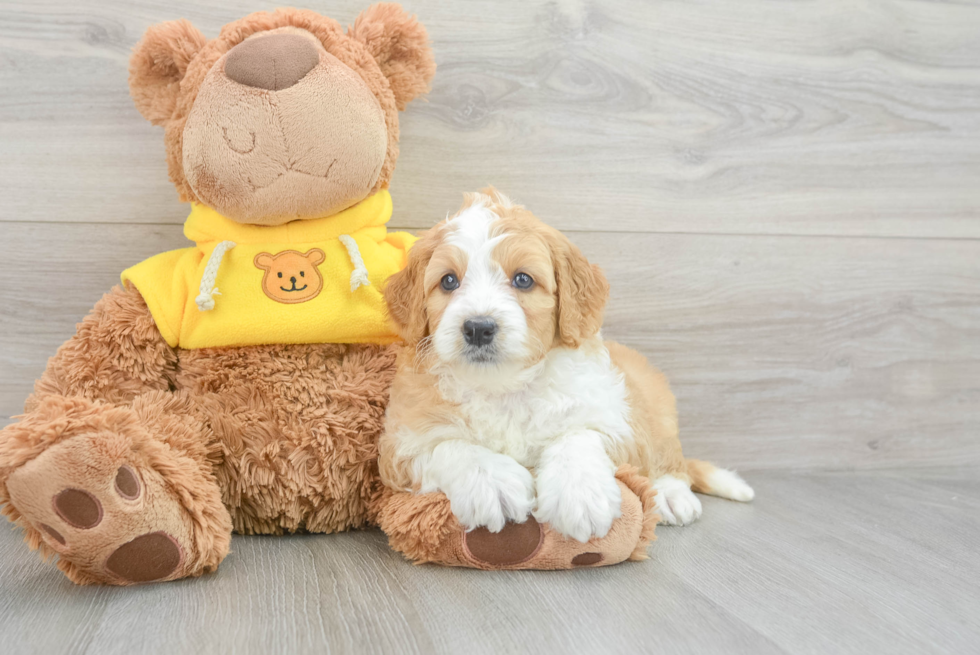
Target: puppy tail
(706, 478)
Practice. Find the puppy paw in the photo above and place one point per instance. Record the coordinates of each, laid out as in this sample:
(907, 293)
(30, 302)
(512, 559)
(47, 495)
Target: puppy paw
(491, 493)
(676, 503)
(577, 503)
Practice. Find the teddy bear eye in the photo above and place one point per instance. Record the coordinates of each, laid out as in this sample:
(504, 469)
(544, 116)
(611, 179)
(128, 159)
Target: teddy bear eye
(302, 273)
(280, 273)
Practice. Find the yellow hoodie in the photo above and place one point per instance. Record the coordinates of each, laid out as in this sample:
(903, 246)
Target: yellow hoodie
(311, 281)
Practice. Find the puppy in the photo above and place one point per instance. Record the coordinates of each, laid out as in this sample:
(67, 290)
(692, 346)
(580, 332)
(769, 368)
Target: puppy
(507, 399)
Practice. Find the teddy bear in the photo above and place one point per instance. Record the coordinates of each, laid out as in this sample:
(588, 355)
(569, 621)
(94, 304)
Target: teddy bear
(240, 384)
(290, 267)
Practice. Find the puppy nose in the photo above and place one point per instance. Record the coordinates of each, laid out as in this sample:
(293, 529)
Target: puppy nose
(479, 331)
(273, 62)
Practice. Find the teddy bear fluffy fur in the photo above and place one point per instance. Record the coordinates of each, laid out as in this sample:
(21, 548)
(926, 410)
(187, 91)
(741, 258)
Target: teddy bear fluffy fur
(263, 439)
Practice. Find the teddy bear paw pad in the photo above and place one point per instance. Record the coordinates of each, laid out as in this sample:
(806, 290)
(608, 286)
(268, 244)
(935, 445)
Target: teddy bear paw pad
(586, 559)
(127, 484)
(516, 543)
(115, 521)
(78, 508)
(54, 534)
(146, 558)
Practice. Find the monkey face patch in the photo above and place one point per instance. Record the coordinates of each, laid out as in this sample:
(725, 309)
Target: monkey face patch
(291, 276)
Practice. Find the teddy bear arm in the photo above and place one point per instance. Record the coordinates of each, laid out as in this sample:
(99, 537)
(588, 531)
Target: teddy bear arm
(116, 354)
(424, 529)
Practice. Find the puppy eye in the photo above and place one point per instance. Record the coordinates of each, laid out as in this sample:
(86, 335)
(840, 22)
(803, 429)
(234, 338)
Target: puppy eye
(280, 274)
(523, 281)
(449, 282)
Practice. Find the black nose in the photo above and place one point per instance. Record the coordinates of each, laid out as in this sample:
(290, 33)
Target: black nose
(293, 280)
(479, 331)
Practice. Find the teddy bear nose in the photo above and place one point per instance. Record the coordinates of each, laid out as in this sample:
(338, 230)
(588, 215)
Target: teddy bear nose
(273, 62)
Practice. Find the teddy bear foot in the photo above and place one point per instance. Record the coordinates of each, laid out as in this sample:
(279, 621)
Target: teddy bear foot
(423, 528)
(98, 499)
(114, 522)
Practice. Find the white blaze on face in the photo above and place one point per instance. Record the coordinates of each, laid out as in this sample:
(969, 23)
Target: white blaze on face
(484, 291)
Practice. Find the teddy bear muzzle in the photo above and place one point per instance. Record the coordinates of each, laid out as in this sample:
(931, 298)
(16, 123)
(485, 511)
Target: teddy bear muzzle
(274, 62)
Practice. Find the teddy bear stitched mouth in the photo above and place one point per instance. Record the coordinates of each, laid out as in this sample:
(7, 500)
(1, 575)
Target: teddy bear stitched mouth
(294, 288)
(231, 144)
(290, 168)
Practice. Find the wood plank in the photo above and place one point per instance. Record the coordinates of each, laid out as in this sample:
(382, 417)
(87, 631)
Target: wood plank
(770, 577)
(837, 563)
(806, 352)
(758, 117)
(783, 351)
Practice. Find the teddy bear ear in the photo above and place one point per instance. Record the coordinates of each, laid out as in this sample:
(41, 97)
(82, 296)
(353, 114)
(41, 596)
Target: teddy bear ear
(158, 64)
(263, 260)
(400, 45)
(315, 256)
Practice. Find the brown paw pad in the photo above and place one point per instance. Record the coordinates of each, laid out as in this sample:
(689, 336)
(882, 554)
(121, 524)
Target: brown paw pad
(127, 484)
(146, 558)
(54, 534)
(586, 559)
(516, 543)
(78, 508)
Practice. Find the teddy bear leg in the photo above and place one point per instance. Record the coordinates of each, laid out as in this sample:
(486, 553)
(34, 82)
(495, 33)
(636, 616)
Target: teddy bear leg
(423, 528)
(296, 431)
(121, 495)
(116, 354)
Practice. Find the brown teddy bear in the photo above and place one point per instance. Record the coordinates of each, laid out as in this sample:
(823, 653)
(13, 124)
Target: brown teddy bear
(241, 383)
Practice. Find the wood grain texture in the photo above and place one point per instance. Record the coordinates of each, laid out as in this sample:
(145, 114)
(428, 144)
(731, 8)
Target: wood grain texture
(761, 116)
(885, 575)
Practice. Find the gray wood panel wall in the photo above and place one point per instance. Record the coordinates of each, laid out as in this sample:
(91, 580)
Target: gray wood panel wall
(785, 195)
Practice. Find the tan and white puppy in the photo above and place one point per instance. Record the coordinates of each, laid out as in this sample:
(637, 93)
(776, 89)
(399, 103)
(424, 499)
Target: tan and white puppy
(507, 399)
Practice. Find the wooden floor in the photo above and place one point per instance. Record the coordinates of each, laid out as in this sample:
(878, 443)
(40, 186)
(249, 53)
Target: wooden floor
(786, 198)
(880, 562)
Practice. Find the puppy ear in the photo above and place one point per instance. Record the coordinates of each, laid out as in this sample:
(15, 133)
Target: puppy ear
(315, 256)
(405, 291)
(157, 66)
(263, 260)
(400, 45)
(496, 197)
(582, 291)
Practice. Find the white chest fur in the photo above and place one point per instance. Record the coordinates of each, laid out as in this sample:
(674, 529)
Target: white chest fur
(569, 390)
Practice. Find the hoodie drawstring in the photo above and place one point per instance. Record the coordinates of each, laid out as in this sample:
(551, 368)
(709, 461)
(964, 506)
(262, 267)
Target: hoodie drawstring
(360, 275)
(205, 300)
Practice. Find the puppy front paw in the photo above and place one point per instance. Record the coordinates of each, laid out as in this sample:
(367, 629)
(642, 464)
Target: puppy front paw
(578, 504)
(675, 502)
(496, 490)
